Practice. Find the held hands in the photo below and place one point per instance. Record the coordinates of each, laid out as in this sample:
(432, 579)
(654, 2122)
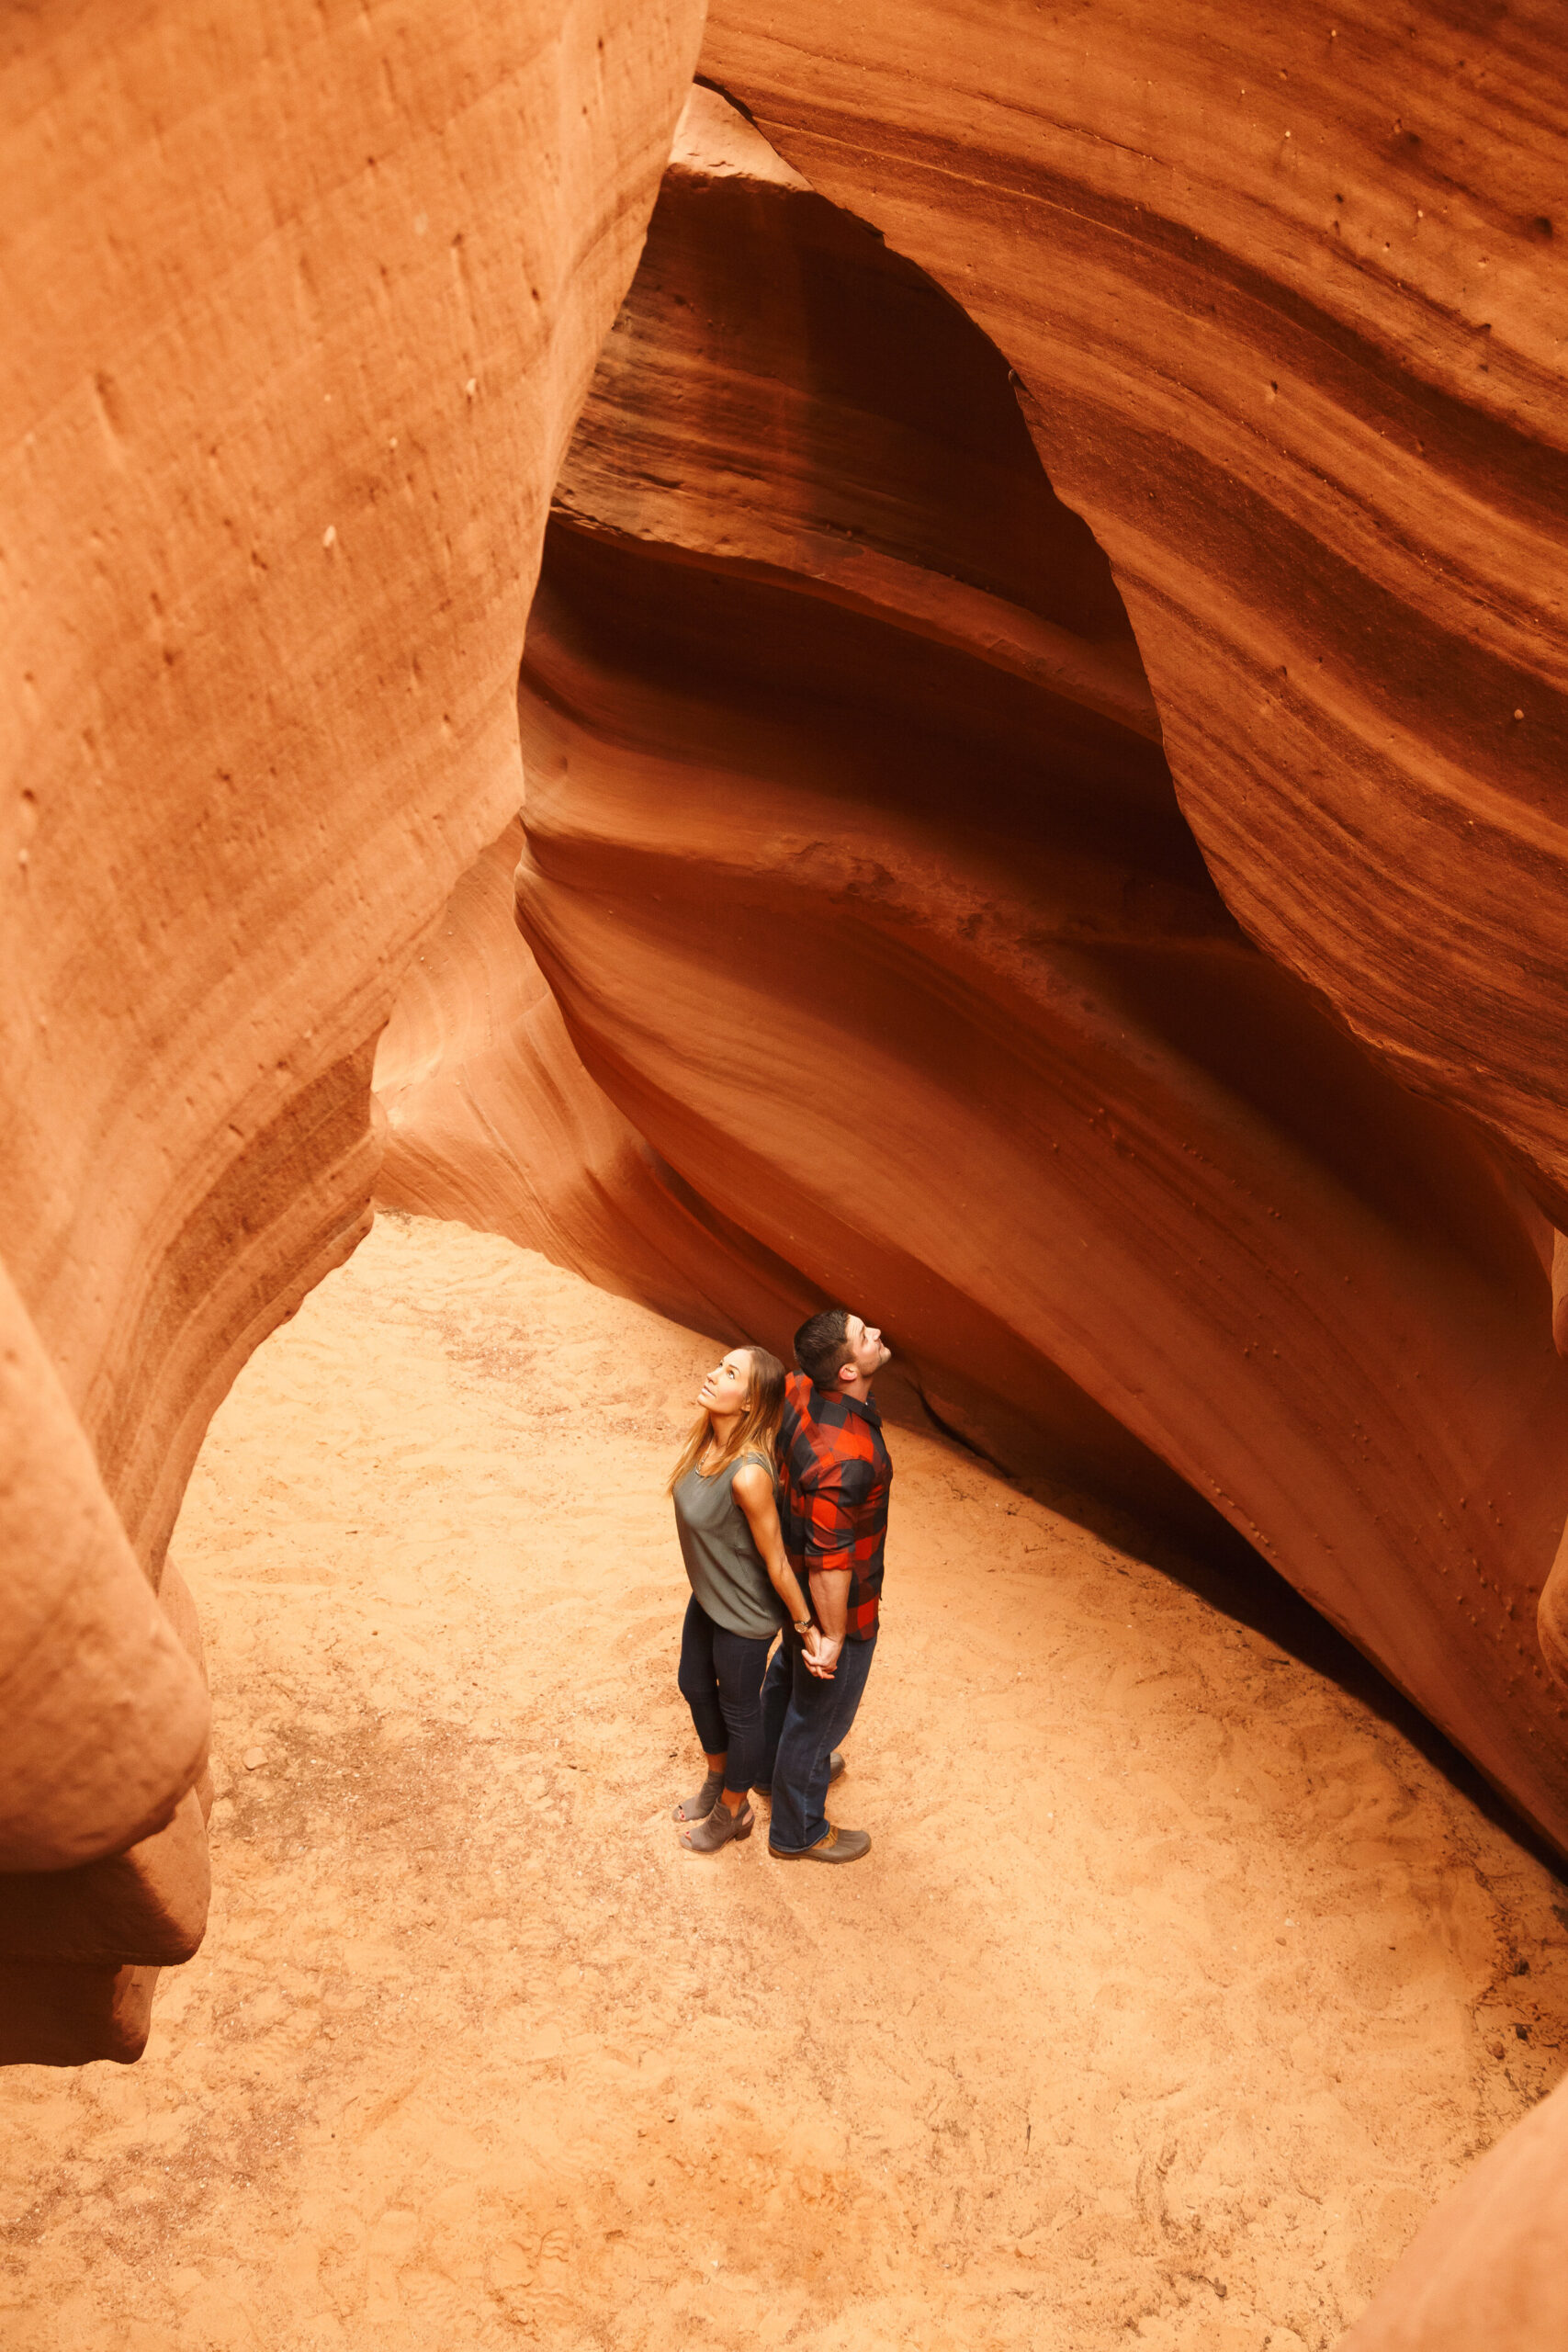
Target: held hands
(821, 1655)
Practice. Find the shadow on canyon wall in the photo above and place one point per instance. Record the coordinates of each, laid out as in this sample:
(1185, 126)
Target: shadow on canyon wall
(866, 886)
(882, 962)
(274, 487)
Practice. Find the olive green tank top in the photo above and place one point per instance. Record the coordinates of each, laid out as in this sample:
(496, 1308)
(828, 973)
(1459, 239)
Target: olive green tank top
(722, 1561)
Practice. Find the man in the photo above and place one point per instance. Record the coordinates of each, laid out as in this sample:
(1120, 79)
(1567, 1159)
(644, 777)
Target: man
(834, 1476)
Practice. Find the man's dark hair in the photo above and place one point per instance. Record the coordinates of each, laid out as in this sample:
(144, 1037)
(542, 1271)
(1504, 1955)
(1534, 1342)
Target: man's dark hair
(822, 1347)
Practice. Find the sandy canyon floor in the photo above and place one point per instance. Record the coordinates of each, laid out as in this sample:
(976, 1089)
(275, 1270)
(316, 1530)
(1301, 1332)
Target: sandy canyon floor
(1177, 1985)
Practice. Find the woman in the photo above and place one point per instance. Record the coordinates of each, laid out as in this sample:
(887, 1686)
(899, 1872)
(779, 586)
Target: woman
(742, 1586)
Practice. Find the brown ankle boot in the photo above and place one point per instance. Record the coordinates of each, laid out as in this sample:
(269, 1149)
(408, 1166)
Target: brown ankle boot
(698, 1808)
(722, 1827)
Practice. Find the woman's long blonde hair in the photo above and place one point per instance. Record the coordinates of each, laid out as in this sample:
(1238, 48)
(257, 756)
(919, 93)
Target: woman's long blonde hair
(756, 1431)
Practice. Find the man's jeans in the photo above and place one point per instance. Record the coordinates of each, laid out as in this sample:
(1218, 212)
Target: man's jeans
(804, 1719)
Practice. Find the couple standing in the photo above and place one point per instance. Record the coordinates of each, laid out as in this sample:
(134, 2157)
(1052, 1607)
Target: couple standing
(781, 1506)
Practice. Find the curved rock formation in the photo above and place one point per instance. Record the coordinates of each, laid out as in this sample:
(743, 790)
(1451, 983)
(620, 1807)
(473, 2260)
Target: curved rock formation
(1277, 290)
(1297, 357)
(1487, 2268)
(491, 1119)
(853, 856)
(299, 310)
(1290, 295)
(855, 862)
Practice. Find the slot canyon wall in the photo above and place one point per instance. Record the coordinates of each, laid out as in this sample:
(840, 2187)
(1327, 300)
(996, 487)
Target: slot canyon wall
(1075, 860)
(854, 865)
(301, 304)
(1289, 301)
(1297, 358)
(868, 900)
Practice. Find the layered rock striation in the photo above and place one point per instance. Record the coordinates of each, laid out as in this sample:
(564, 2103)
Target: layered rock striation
(854, 864)
(1276, 296)
(1013, 914)
(1289, 293)
(491, 1119)
(299, 310)
(1288, 297)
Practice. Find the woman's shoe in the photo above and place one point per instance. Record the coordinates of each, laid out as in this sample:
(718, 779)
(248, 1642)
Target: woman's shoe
(698, 1808)
(722, 1827)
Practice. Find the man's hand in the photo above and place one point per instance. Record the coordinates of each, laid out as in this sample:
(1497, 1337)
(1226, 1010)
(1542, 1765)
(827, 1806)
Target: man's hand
(820, 1654)
(830, 1600)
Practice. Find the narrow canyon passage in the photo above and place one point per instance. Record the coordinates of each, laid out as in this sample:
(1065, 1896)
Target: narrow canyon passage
(1176, 1988)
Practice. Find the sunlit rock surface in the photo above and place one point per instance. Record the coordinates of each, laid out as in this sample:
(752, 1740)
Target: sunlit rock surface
(1288, 297)
(299, 310)
(1487, 2268)
(1288, 290)
(855, 866)
(885, 955)
(492, 1119)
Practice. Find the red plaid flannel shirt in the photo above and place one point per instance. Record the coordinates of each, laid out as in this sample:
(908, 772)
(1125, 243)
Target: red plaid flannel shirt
(834, 1476)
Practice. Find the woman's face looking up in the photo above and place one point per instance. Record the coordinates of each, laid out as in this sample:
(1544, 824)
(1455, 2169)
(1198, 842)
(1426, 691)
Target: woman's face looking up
(728, 1385)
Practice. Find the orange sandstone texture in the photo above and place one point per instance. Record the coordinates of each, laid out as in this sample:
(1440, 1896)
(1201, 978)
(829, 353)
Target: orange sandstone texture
(854, 864)
(1288, 294)
(1289, 289)
(300, 306)
(1280, 293)
(492, 1120)
(1174, 2047)
(1487, 2269)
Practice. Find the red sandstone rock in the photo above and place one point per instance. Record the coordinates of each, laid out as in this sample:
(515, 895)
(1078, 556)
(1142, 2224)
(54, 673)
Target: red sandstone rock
(299, 308)
(1282, 294)
(1487, 2274)
(1327, 473)
(854, 864)
(492, 1119)
(277, 421)
(64, 2015)
(105, 1708)
(1288, 289)
(145, 1907)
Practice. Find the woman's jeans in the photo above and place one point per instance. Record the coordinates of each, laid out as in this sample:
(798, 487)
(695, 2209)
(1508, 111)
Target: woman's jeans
(721, 1681)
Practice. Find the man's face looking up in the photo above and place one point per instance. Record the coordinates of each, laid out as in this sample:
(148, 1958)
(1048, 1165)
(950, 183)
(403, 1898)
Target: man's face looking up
(865, 1347)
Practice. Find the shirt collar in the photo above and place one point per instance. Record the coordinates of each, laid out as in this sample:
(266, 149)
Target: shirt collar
(865, 1407)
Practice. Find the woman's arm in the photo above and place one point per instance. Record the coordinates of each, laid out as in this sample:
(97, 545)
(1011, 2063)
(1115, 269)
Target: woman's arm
(753, 1491)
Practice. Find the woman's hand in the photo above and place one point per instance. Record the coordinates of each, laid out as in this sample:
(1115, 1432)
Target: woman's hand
(830, 1604)
(820, 1654)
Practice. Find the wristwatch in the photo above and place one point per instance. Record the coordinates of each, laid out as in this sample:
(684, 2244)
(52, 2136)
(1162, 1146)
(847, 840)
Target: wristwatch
(804, 1626)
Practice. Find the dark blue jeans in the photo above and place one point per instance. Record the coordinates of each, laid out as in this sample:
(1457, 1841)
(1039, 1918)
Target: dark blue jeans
(804, 1719)
(721, 1681)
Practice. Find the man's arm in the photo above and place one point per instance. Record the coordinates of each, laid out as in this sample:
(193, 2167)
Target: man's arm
(830, 1528)
(830, 1603)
